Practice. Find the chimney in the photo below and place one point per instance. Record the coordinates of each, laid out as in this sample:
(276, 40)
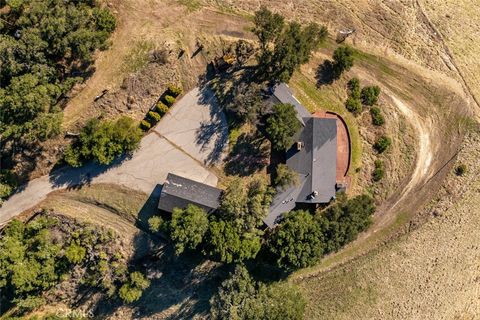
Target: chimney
(299, 145)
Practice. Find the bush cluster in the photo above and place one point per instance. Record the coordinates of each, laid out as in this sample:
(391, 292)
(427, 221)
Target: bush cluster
(382, 144)
(103, 141)
(379, 170)
(377, 117)
(300, 240)
(368, 96)
(38, 255)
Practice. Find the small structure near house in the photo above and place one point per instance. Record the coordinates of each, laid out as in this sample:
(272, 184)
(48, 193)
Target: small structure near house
(179, 192)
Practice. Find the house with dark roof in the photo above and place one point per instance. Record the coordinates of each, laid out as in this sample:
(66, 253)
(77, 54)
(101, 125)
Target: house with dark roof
(313, 156)
(179, 192)
(320, 156)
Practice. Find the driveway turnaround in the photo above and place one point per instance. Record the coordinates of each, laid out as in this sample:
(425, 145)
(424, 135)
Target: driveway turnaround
(185, 150)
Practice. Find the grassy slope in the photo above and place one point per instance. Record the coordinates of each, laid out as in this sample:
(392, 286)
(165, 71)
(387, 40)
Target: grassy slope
(427, 274)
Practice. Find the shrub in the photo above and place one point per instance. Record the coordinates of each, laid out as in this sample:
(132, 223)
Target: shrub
(169, 100)
(155, 223)
(377, 117)
(370, 95)
(461, 169)
(145, 125)
(72, 156)
(75, 253)
(133, 289)
(379, 170)
(161, 108)
(382, 144)
(354, 88)
(154, 117)
(174, 91)
(353, 105)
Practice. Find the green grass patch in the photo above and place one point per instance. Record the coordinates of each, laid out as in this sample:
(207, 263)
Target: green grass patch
(382, 64)
(327, 99)
(191, 5)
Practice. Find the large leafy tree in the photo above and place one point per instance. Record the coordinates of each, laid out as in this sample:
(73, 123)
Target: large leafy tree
(282, 125)
(342, 222)
(104, 141)
(188, 227)
(283, 48)
(240, 297)
(342, 60)
(229, 242)
(297, 242)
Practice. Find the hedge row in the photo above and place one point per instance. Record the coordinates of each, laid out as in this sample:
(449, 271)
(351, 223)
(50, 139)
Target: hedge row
(162, 107)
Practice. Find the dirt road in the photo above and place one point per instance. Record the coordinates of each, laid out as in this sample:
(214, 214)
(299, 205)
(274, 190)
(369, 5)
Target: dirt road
(183, 151)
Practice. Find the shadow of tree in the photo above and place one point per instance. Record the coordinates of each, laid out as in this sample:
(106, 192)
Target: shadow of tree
(215, 129)
(325, 74)
(249, 155)
(74, 178)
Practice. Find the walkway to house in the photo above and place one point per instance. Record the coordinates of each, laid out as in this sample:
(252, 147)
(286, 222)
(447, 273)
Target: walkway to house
(343, 145)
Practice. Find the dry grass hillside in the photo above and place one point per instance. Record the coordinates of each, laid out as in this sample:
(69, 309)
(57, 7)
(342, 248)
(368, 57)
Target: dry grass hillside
(422, 54)
(432, 272)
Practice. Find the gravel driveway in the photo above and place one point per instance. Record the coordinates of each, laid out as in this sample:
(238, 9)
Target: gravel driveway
(187, 140)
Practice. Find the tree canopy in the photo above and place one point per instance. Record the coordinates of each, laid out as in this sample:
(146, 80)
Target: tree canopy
(284, 47)
(240, 297)
(103, 141)
(297, 242)
(342, 222)
(45, 48)
(188, 227)
(282, 125)
(342, 60)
